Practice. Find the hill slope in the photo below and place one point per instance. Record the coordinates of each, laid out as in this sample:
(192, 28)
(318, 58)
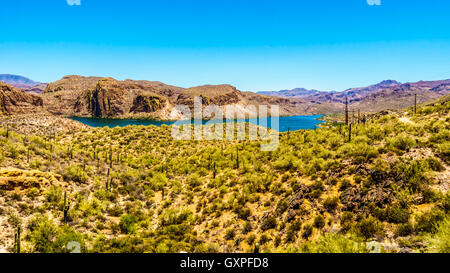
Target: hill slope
(16, 101)
(136, 189)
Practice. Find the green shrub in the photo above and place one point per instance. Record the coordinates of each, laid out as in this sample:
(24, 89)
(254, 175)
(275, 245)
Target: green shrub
(427, 221)
(319, 222)
(230, 234)
(370, 227)
(402, 142)
(405, 229)
(175, 217)
(347, 220)
(440, 241)
(75, 173)
(127, 223)
(444, 151)
(435, 164)
(331, 203)
(247, 228)
(335, 243)
(269, 223)
(46, 237)
(307, 231)
(397, 215)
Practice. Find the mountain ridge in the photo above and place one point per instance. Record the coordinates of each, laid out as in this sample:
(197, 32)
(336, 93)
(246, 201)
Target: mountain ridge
(23, 83)
(18, 81)
(376, 97)
(107, 97)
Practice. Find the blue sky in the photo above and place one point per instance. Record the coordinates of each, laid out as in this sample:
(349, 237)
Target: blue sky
(253, 44)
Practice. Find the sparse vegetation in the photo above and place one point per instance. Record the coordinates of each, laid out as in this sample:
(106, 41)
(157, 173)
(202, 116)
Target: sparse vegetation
(135, 189)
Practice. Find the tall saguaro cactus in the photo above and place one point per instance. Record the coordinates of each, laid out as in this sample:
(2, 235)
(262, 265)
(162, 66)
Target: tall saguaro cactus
(237, 157)
(17, 240)
(415, 104)
(346, 110)
(66, 208)
(108, 181)
(110, 157)
(350, 132)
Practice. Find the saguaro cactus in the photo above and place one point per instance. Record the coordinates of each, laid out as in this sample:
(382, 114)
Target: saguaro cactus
(66, 208)
(346, 110)
(110, 156)
(17, 240)
(415, 104)
(237, 157)
(107, 185)
(350, 132)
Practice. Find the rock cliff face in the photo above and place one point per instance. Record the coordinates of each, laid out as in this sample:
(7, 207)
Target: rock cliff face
(15, 101)
(107, 97)
(112, 98)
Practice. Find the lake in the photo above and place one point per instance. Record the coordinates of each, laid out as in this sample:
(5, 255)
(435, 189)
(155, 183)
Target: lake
(292, 123)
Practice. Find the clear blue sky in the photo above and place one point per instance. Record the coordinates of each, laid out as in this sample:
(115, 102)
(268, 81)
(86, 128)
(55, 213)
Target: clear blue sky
(252, 44)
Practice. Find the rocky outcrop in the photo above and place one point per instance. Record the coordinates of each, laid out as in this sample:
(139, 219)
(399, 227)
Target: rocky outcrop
(112, 98)
(106, 97)
(19, 180)
(147, 104)
(15, 101)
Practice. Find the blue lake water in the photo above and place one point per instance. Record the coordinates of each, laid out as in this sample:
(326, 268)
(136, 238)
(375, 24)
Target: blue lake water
(292, 123)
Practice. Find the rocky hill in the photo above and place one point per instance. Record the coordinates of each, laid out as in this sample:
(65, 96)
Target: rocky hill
(16, 101)
(107, 97)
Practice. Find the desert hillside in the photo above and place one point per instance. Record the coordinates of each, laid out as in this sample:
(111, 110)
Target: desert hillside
(136, 189)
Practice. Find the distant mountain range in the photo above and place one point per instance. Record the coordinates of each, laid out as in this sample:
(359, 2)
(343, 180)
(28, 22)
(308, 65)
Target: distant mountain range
(293, 93)
(106, 97)
(387, 94)
(23, 83)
